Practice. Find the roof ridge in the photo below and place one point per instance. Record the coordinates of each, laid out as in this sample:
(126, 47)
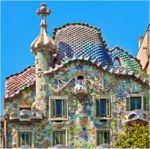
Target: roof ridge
(16, 74)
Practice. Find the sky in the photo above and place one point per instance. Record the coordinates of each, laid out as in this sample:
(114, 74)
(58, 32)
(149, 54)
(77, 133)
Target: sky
(121, 23)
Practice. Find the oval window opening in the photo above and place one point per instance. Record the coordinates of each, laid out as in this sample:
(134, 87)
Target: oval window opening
(80, 77)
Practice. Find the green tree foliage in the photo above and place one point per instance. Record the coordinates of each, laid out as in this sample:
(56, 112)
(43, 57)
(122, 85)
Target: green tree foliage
(136, 136)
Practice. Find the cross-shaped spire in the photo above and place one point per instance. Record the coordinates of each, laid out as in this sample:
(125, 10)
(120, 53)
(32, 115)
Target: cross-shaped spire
(43, 11)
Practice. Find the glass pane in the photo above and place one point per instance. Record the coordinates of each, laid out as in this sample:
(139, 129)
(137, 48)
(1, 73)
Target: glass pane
(135, 103)
(106, 137)
(59, 137)
(27, 139)
(23, 138)
(58, 108)
(99, 137)
(103, 107)
(62, 138)
(55, 138)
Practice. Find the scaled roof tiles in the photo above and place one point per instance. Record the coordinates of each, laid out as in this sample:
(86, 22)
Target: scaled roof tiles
(78, 41)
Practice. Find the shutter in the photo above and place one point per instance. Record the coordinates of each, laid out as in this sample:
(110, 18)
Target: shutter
(97, 107)
(127, 104)
(101, 136)
(107, 107)
(53, 108)
(146, 103)
(64, 108)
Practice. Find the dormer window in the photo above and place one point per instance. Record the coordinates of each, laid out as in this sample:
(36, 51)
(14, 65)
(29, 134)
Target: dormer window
(118, 61)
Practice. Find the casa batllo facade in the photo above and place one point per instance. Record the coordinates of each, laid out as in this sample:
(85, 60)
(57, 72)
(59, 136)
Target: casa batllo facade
(78, 94)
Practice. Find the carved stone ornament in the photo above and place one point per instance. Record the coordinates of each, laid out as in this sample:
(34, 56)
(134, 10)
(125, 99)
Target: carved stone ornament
(40, 74)
(42, 87)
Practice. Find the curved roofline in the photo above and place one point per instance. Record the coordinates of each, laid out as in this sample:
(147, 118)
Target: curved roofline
(82, 24)
(134, 57)
(114, 71)
(117, 71)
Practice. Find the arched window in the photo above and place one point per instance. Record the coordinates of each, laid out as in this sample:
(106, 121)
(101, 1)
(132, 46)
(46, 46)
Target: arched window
(117, 61)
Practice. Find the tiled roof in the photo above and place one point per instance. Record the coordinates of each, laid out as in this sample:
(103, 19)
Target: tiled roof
(19, 81)
(78, 41)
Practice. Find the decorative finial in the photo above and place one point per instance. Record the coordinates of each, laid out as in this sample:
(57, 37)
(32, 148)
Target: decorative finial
(43, 11)
(43, 41)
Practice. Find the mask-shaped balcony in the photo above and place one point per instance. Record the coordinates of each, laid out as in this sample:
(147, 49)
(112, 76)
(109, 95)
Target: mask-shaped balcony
(26, 115)
(36, 114)
(14, 115)
(137, 115)
(80, 89)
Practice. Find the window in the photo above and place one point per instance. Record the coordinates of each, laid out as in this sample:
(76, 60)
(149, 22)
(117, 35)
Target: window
(103, 137)
(59, 137)
(102, 108)
(116, 62)
(25, 139)
(81, 82)
(134, 103)
(58, 108)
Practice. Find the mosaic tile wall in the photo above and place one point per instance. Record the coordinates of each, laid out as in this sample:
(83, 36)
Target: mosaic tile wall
(81, 125)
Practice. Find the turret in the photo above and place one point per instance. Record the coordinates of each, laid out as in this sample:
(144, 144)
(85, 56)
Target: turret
(44, 49)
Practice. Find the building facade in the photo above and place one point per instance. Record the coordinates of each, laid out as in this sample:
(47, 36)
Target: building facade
(78, 94)
(144, 50)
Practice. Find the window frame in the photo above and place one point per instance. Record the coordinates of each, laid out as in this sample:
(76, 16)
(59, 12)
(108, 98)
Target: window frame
(110, 107)
(25, 131)
(135, 95)
(59, 130)
(103, 130)
(50, 106)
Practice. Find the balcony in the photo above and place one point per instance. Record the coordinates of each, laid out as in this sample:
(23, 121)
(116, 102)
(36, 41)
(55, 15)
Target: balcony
(26, 115)
(137, 115)
(80, 89)
(36, 114)
(14, 115)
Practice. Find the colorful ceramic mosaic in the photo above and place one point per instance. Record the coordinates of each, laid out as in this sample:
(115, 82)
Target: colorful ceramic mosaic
(75, 66)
